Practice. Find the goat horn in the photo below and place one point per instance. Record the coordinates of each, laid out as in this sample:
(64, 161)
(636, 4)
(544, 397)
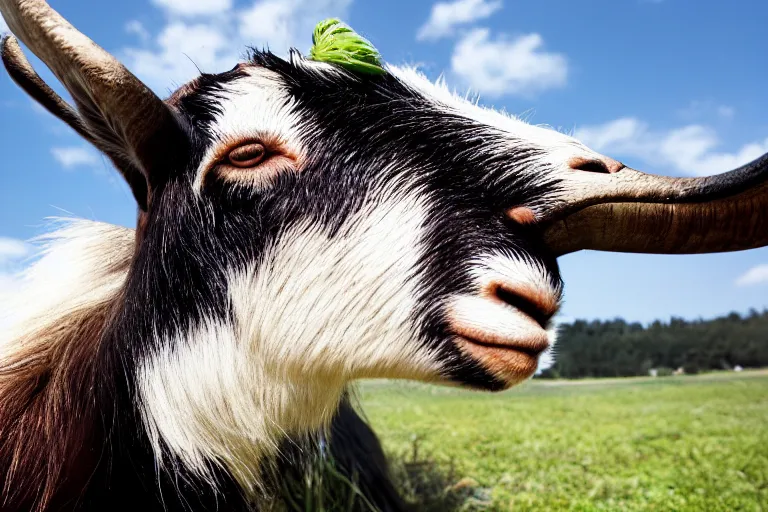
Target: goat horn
(114, 106)
(630, 211)
(22, 73)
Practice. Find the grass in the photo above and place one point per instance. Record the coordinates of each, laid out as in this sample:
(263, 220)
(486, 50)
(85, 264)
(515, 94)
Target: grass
(676, 444)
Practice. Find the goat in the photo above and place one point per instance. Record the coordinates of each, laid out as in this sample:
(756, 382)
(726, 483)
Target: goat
(301, 224)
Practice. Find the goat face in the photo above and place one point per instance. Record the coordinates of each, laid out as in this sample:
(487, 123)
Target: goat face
(360, 225)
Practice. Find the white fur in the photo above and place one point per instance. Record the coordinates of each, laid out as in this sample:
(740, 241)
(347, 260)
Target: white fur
(513, 271)
(505, 268)
(559, 147)
(492, 317)
(82, 265)
(318, 312)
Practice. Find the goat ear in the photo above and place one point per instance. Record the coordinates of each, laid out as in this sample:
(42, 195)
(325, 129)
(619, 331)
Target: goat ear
(114, 111)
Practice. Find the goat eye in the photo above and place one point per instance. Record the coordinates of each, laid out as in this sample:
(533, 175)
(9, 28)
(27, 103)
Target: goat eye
(247, 156)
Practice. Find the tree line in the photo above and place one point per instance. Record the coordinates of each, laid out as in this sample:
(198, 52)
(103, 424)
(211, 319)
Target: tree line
(617, 348)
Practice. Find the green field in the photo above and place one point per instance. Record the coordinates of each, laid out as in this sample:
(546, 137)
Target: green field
(675, 443)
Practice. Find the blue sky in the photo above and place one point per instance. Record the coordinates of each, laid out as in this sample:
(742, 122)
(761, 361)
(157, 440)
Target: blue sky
(667, 86)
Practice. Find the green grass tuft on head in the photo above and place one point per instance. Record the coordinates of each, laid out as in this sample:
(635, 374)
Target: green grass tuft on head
(336, 43)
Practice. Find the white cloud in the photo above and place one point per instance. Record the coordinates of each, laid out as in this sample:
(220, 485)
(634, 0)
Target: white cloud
(446, 16)
(503, 66)
(215, 43)
(75, 156)
(725, 111)
(3, 25)
(11, 250)
(691, 149)
(136, 28)
(698, 109)
(754, 276)
(281, 24)
(194, 7)
(178, 51)
(278, 33)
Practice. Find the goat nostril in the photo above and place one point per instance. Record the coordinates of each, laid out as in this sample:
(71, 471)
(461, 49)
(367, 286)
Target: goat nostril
(526, 305)
(592, 166)
(602, 166)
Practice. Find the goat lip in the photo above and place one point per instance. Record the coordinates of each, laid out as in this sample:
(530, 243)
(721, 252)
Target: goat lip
(530, 348)
(511, 361)
(532, 344)
(508, 363)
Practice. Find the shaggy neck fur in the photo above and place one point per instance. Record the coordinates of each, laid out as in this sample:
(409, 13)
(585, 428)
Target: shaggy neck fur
(63, 404)
(69, 430)
(49, 380)
(231, 412)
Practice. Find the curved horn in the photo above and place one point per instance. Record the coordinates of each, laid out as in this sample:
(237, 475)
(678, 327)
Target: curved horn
(24, 75)
(630, 211)
(122, 115)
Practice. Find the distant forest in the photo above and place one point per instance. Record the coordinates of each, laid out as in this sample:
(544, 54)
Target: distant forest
(617, 348)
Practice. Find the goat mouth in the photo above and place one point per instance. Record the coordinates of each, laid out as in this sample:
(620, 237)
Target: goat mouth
(503, 329)
(533, 351)
(510, 361)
